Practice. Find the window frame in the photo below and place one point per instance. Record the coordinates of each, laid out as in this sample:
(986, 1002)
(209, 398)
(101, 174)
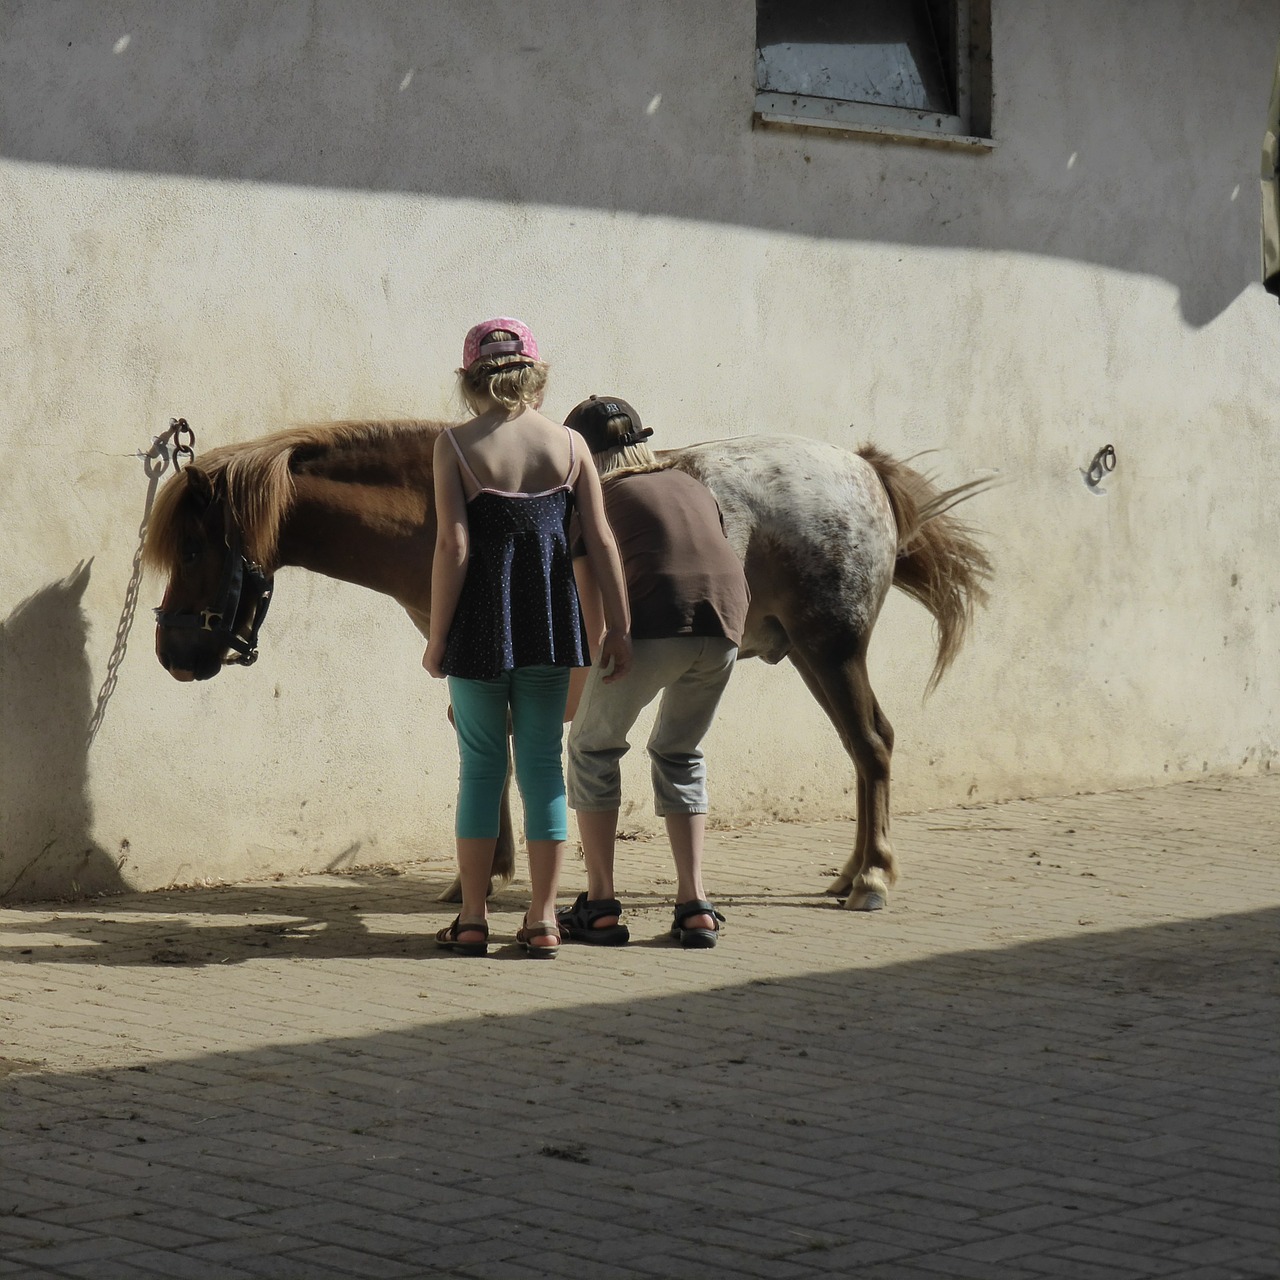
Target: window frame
(970, 127)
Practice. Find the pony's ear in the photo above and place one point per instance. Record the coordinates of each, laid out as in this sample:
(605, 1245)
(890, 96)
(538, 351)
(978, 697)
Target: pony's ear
(199, 486)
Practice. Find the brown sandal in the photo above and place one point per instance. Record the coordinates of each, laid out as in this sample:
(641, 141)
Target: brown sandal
(447, 938)
(539, 929)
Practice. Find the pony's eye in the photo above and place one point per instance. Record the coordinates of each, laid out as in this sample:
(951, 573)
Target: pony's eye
(190, 552)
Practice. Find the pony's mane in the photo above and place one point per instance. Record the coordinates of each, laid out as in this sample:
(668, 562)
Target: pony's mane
(256, 480)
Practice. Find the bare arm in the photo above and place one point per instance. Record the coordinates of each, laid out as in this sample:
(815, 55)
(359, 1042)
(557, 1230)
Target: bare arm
(606, 569)
(592, 605)
(593, 622)
(449, 566)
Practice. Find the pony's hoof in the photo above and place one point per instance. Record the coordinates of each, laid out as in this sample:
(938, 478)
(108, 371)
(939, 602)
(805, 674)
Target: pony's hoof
(868, 901)
(839, 887)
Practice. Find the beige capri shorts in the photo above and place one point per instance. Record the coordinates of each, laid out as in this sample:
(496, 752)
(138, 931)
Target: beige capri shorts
(690, 672)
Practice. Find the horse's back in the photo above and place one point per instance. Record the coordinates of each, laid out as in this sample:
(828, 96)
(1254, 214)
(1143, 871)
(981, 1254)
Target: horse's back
(810, 521)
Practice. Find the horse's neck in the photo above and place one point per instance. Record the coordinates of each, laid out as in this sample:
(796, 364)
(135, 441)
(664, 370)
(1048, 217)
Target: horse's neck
(367, 518)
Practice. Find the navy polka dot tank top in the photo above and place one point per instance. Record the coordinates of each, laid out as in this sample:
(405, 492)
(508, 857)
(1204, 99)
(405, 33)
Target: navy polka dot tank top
(519, 604)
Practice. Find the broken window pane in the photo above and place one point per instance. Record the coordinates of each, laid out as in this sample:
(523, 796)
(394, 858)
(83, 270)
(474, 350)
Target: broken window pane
(897, 53)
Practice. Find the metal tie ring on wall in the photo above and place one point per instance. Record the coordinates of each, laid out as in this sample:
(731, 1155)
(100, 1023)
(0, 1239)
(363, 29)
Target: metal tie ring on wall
(1103, 461)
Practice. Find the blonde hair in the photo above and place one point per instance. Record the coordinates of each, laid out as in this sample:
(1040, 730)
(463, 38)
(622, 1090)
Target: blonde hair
(630, 460)
(624, 459)
(512, 381)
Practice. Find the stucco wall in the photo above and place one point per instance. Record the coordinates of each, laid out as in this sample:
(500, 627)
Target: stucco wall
(251, 215)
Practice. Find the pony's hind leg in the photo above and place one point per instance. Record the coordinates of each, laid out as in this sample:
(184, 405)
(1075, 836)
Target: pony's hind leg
(843, 690)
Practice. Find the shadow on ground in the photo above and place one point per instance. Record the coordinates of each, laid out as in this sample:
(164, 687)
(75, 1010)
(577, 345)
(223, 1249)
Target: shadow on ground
(1088, 1106)
(311, 920)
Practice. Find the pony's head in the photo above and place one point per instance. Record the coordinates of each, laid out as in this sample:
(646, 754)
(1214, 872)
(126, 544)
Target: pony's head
(216, 527)
(217, 592)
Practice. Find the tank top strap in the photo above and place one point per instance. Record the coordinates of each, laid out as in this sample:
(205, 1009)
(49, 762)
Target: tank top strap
(568, 476)
(462, 458)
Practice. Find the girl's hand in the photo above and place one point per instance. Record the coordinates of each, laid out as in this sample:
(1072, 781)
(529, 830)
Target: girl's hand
(431, 661)
(615, 655)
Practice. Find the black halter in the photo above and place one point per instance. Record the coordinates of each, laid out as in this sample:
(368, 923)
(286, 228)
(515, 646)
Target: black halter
(239, 575)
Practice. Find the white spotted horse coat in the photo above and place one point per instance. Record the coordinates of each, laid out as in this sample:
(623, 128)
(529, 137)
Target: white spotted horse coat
(824, 533)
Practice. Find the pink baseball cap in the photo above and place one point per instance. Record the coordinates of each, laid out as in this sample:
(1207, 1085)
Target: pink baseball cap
(476, 348)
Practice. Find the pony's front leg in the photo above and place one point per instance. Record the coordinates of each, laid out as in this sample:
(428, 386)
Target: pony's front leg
(844, 692)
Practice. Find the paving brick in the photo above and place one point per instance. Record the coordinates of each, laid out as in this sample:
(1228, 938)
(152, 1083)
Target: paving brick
(23, 1232)
(354, 1262)
(946, 1264)
(286, 1266)
(103, 1268)
(1222, 1250)
(50, 1257)
(896, 1270)
(1101, 1262)
(1004, 1247)
(247, 1248)
(173, 1265)
(1237, 1271)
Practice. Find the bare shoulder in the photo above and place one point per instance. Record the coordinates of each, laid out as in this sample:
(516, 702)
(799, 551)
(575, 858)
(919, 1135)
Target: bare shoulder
(463, 432)
(443, 450)
(540, 427)
(552, 440)
(583, 466)
(581, 449)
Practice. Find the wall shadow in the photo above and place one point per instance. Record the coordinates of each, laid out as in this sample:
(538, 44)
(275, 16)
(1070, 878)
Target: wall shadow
(1053, 1108)
(46, 702)
(1114, 148)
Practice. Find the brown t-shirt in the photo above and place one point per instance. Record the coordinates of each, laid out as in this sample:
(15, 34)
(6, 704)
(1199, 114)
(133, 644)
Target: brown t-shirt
(682, 576)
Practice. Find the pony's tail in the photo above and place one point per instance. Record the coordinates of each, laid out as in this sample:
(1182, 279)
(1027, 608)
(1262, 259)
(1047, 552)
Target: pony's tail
(940, 562)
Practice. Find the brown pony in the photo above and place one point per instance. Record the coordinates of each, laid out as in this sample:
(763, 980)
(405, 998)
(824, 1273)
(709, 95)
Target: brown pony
(823, 533)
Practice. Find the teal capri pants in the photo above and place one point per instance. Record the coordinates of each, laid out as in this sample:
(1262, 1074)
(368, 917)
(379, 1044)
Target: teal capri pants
(535, 698)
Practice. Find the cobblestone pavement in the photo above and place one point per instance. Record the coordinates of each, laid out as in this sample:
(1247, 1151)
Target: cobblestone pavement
(1053, 1056)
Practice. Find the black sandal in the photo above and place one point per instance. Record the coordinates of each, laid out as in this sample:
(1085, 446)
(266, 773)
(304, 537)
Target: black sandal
(699, 938)
(578, 922)
(447, 938)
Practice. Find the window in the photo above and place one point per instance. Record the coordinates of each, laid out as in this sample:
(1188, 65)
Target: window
(916, 69)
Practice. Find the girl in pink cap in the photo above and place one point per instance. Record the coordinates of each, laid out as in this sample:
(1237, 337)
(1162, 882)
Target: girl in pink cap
(506, 624)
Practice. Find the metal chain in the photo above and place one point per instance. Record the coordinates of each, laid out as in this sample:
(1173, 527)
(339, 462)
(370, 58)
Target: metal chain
(184, 443)
(155, 462)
